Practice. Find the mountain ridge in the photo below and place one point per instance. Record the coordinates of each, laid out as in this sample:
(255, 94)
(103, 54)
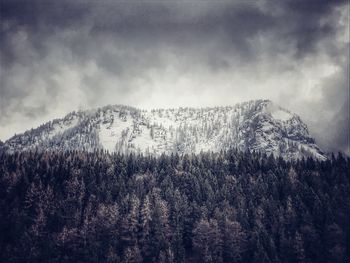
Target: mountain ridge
(257, 125)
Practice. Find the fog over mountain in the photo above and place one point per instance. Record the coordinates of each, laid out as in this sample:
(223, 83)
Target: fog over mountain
(57, 57)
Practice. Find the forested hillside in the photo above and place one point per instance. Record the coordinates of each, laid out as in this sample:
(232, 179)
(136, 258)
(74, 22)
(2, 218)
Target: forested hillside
(224, 207)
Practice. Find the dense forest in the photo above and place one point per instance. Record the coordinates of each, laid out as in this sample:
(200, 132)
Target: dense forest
(225, 207)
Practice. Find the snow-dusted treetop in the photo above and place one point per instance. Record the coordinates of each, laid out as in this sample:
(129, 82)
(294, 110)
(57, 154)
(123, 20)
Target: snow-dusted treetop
(258, 125)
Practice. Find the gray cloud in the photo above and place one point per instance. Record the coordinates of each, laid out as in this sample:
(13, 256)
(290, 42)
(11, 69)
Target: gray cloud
(61, 56)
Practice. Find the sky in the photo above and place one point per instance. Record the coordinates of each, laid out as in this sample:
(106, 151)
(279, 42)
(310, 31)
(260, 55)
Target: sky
(60, 56)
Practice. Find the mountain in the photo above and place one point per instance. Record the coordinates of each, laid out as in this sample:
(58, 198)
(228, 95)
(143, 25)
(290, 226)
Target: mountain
(258, 125)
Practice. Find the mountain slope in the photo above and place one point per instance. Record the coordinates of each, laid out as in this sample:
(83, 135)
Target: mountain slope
(255, 126)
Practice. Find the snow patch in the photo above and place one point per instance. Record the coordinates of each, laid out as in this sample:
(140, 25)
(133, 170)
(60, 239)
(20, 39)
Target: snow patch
(111, 132)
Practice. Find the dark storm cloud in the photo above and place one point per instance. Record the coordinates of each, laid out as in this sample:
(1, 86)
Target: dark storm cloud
(171, 22)
(57, 56)
(306, 16)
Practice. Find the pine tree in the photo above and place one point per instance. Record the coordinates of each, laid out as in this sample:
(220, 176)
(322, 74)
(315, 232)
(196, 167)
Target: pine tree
(235, 241)
(298, 247)
(132, 255)
(145, 228)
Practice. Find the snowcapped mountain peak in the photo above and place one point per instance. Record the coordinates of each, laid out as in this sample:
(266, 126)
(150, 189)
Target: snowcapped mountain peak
(258, 125)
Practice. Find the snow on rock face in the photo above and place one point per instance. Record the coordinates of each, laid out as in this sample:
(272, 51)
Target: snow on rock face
(255, 125)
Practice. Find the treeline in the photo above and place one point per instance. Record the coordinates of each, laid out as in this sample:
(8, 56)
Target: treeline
(226, 207)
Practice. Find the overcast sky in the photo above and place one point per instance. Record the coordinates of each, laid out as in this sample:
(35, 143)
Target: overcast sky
(59, 56)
